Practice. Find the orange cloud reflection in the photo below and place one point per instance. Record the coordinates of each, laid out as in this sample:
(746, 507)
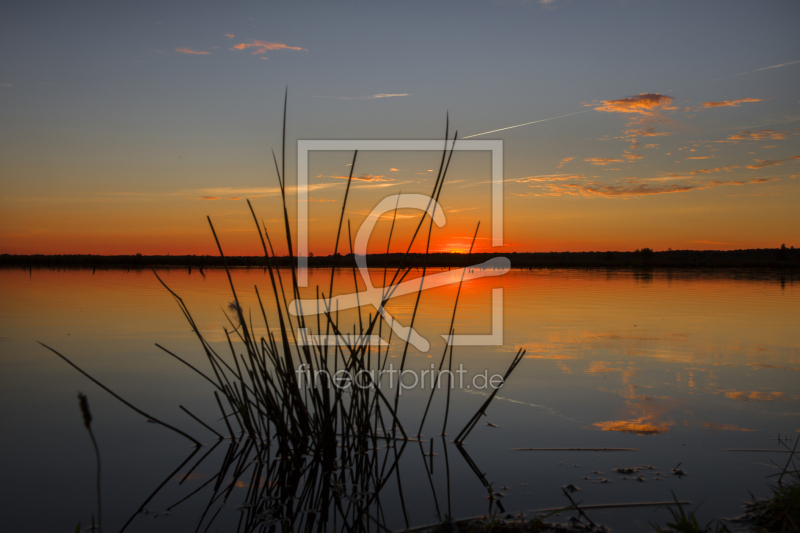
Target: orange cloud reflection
(639, 426)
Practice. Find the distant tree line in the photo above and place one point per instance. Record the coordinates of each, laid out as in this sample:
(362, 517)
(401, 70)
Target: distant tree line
(645, 258)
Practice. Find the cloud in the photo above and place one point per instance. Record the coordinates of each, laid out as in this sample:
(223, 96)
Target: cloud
(645, 104)
(700, 157)
(552, 177)
(771, 163)
(213, 193)
(639, 426)
(730, 103)
(640, 189)
(368, 97)
(565, 161)
(635, 188)
(632, 156)
(361, 177)
(646, 131)
(755, 395)
(393, 170)
(766, 365)
(261, 47)
(192, 52)
(764, 164)
(229, 35)
(688, 174)
(602, 160)
(727, 168)
(757, 135)
(643, 110)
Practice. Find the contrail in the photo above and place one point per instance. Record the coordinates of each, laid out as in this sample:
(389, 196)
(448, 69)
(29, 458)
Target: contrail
(519, 125)
(758, 69)
(781, 65)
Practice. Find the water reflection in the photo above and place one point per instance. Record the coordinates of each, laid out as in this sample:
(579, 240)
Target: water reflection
(310, 492)
(677, 365)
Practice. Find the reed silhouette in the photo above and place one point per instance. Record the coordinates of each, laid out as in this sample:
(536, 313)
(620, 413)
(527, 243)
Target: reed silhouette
(314, 456)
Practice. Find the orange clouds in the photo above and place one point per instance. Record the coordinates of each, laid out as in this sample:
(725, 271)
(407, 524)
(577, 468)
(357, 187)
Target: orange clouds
(757, 135)
(565, 161)
(643, 110)
(755, 395)
(730, 103)
(764, 164)
(362, 177)
(261, 47)
(192, 52)
(602, 160)
(549, 178)
(635, 188)
(645, 104)
(639, 426)
(550, 356)
(640, 189)
(647, 131)
(677, 175)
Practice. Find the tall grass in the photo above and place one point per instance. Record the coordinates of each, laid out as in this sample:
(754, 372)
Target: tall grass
(309, 454)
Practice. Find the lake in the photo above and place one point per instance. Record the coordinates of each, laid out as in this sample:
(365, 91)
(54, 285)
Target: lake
(679, 366)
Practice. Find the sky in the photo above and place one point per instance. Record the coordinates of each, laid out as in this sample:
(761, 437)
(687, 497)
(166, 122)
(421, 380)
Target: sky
(647, 124)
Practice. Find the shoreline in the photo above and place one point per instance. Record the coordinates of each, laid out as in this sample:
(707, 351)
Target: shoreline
(781, 259)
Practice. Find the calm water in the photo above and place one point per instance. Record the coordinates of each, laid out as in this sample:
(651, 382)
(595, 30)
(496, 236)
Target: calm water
(681, 366)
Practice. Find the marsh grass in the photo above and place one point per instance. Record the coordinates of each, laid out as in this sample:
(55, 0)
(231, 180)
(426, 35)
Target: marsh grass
(779, 512)
(311, 457)
(83, 403)
(686, 522)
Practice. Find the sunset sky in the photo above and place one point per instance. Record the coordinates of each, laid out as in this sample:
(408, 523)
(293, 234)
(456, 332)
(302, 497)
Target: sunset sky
(674, 124)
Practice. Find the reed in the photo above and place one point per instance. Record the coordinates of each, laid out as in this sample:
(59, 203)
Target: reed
(780, 512)
(259, 386)
(83, 402)
(312, 454)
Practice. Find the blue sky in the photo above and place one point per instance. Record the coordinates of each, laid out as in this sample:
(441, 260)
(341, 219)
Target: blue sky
(116, 116)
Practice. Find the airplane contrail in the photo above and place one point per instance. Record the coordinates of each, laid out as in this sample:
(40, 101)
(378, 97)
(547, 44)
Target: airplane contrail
(519, 125)
(781, 65)
(758, 69)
